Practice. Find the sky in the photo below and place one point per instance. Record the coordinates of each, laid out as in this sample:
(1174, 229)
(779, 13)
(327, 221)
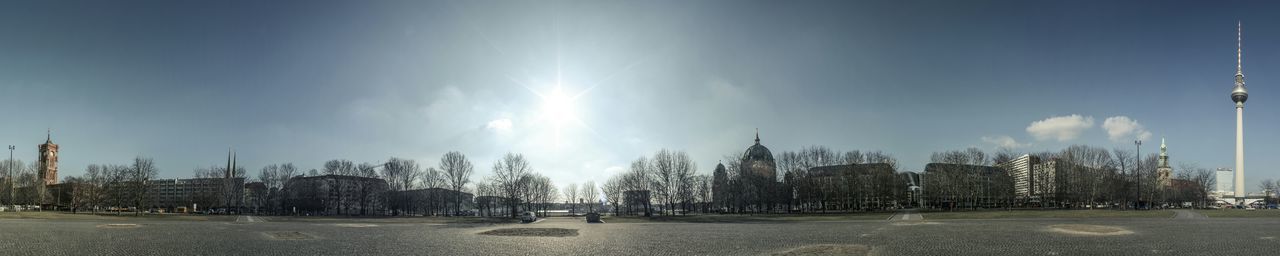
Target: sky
(581, 88)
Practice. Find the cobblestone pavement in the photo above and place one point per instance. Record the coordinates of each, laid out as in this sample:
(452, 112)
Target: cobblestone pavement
(885, 237)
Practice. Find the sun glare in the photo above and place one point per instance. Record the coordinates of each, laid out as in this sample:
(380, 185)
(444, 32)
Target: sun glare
(558, 111)
(557, 107)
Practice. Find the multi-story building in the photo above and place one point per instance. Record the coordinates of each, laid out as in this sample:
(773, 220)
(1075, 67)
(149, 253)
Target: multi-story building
(880, 183)
(1044, 178)
(256, 197)
(334, 195)
(1225, 184)
(429, 201)
(1020, 169)
(952, 185)
(195, 194)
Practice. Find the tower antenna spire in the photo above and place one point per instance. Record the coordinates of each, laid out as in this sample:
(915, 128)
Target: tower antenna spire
(757, 135)
(1239, 37)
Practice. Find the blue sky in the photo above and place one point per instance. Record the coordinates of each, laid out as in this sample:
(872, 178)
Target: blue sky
(310, 81)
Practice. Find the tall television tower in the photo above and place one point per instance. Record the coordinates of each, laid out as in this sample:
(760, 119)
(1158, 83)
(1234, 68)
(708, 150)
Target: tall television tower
(1239, 95)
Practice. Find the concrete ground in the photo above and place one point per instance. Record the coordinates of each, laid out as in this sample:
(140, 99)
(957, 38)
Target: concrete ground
(900, 236)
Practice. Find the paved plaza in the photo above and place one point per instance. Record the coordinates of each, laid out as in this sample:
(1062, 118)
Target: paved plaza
(894, 236)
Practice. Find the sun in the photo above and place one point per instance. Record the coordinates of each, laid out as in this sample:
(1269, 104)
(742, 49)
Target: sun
(557, 107)
(559, 111)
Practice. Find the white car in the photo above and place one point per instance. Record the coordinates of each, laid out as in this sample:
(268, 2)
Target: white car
(528, 217)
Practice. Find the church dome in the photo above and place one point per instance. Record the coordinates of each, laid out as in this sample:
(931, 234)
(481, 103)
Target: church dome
(757, 152)
(759, 160)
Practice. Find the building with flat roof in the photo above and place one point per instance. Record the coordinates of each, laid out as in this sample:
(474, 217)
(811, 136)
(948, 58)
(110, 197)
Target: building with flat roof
(429, 201)
(880, 184)
(952, 185)
(196, 193)
(334, 195)
(1020, 170)
(1225, 182)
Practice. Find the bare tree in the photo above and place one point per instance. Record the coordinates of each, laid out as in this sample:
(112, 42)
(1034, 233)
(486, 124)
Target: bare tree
(339, 167)
(664, 177)
(432, 178)
(685, 170)
(1268, 188)
(853, 157)
(540, 192)
(269, 175)
(94, 176)
(400, 174)
(510, 174)
(613, 190)
(116, 191)
(878, 157)
(639, 180)
(1003, 155)
(143, 171)
(285, 172)
(458, 170)
(364, 193)
(571, 194)
(12, 170)
(591, 194)
(704, 192)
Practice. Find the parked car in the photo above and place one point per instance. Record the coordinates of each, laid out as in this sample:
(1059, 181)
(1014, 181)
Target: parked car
(528, 217)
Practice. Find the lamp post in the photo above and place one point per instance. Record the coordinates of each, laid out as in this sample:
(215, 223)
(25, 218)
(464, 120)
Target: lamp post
(1138, 172)
(10, 175)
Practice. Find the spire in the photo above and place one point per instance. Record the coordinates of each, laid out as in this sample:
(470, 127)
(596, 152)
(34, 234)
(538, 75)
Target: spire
(1162, 147)
(757, 135)
(48, 136)
(226, 174)
(1239, 94)
(1239, 37)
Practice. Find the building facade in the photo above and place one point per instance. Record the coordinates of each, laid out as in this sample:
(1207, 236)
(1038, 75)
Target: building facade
(1020, 170)
(1225, 184)
(954, 185)
(194, 194)
(430, 201)
(878, 184)
(334, 195)
(48, 162)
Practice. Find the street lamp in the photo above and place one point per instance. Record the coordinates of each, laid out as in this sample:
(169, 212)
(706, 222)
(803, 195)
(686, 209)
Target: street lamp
(9, 176)
(1138, 172)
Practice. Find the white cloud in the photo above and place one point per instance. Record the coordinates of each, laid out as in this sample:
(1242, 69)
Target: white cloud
(502, 125)
(1060, 128)
(1004, 141)
(1121, 128)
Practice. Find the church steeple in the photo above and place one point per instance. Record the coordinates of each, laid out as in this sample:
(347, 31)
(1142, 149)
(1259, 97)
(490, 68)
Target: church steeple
(1164, 155)
(757, 136)
(1162, 147)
